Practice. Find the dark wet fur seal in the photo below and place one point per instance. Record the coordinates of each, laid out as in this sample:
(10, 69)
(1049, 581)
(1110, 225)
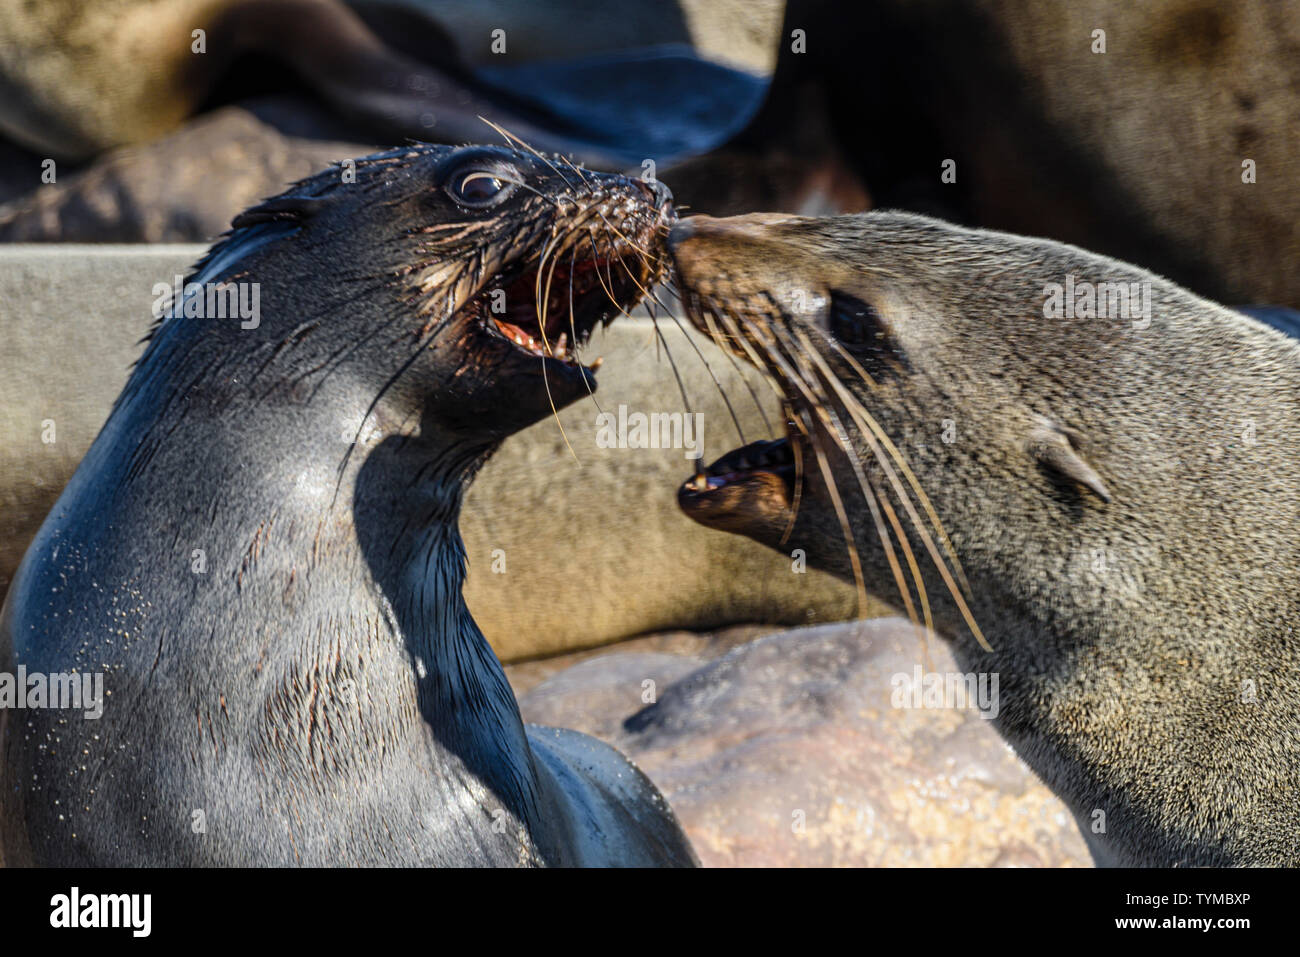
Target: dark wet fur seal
(319, 693)
(1114, 501)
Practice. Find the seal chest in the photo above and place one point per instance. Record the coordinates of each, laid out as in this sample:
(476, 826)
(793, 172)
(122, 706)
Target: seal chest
(260, 552)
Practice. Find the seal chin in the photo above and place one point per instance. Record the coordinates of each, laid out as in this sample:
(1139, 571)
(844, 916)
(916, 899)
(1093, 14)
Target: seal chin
(749, 488)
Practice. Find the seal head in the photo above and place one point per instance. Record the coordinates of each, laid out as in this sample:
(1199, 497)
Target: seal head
(1055, 459)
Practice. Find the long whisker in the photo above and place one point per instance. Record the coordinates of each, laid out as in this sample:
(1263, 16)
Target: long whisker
(870, 431)
(872, 496)
(421, 345)
(722, 392)
(573, 326)
(637, 247)
(510, 137)
(541, 314)
(791, 377)
(718, 385)
(577, 169)
(607, 287)
(799, 467)
(712, 325)
(905, 468)
(532, 189)
(676, 375)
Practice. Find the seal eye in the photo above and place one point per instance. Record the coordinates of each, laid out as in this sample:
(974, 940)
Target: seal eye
(478, 188)
(854, 323)
(862, 331)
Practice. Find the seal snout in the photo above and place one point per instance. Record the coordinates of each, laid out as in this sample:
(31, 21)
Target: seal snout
(692, 238)
(683, 242)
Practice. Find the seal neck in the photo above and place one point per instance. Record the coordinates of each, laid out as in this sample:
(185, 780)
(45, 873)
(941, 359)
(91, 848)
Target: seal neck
(411, 543)
(461, 689)
(355, 569)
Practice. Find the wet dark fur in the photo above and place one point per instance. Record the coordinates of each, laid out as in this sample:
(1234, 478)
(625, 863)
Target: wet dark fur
(320, 692)
(1130, 553)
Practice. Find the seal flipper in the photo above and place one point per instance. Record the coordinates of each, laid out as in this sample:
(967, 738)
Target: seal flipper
(1056, 447)
(614, 815)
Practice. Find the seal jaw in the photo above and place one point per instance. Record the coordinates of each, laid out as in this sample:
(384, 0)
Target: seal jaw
(749, 486)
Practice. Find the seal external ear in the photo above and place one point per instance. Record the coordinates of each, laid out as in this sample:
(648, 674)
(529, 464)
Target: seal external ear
(1057, 447)
(280, 209)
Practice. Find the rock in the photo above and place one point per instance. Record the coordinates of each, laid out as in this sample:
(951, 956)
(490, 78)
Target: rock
(185, 187)
(787, 751)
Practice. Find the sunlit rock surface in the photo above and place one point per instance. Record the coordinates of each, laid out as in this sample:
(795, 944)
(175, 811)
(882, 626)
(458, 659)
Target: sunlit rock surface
(787, 751)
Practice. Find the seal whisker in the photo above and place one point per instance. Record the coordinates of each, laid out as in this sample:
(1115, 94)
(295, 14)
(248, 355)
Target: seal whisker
(874, 498)
(573, 326)
(871, 495)
(718, 385)
(536, 192)
(712, 325)
(736, 333)
(817, 406)
(652, 265)
(870, 430)
(797, 449)
(607, 287)
(511, 138)
(897, 456)
(541, 303)
(676, 375)
(374, 403)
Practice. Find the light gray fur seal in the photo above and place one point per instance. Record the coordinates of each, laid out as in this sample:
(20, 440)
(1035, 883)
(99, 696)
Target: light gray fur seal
(1087, 479)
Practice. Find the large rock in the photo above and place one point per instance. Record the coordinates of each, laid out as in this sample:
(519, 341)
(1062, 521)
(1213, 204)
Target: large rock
(788, 751)
(185, 187)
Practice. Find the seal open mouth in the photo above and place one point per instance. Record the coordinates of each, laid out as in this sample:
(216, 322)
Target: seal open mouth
(582, 293)
(752, 484)
(768, 456)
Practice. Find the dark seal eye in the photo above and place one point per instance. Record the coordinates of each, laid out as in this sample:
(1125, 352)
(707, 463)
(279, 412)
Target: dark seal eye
(854, 323)
(478, 187)
(861, 331)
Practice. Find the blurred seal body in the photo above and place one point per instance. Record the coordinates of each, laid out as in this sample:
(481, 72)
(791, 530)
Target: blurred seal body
(77, 79)
(260, 551)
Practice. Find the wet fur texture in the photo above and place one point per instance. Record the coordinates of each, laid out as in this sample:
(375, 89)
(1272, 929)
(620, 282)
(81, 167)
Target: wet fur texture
(318, 693)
